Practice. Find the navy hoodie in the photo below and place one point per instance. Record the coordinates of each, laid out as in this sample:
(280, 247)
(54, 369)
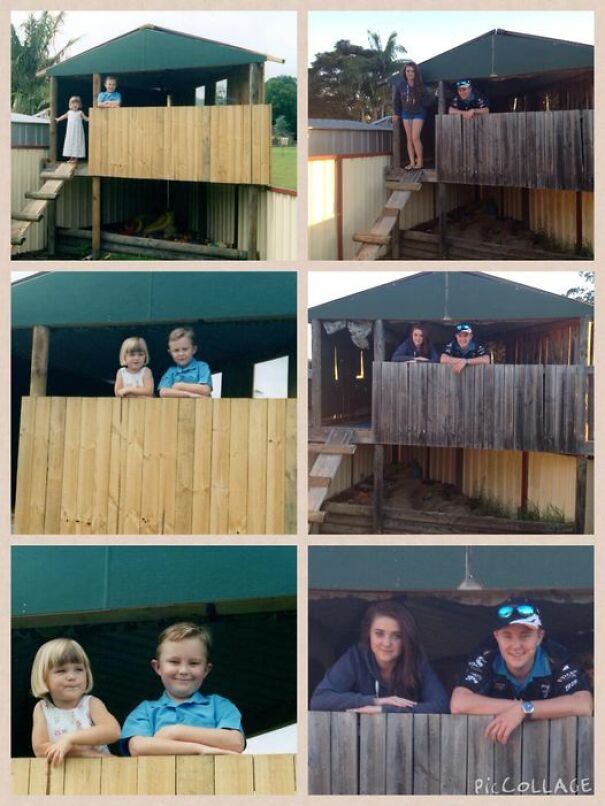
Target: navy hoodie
(355, 680)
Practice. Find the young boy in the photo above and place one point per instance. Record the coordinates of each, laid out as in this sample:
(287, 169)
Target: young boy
(109, 98)
(189, 378)
(183, 721)
(521, 675)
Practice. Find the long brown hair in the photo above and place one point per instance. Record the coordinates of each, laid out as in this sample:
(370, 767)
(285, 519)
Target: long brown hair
(418, 86)
(425, 348)
(406, 680)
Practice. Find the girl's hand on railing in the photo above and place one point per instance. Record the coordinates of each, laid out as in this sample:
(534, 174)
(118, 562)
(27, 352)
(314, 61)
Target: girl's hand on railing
(365, 709)
(58, 750)
(398, 702)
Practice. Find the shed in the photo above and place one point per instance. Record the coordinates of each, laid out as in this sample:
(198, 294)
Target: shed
(501, 413)
(329, 137)
(171, 128)
(115, 600)
(241, 319)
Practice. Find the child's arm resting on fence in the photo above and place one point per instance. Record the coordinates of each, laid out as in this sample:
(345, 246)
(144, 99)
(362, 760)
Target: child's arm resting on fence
(40, 740)
(104, 730)
(229, 739)
(182, 389)
(465, 701)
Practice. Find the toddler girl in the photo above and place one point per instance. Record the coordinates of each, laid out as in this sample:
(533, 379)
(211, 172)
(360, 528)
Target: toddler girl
(68, 721)
(74, 146)
(134, 376)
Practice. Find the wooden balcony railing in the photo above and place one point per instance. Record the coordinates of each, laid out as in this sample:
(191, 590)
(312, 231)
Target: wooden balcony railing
(156, 466)
(518, 149)
(500, 407)
(157, 775)
(431, 754)
(189, 143)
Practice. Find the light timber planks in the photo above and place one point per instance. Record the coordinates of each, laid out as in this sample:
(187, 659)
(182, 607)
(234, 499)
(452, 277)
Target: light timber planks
(444, 754)
(156, 466)
(227, 144)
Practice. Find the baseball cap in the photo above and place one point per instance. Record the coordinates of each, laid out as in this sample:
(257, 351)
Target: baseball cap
(464, 327)
(515, 611)
(464, 82)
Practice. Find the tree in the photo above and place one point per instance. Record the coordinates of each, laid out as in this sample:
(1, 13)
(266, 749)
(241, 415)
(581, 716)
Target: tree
(281, 93)
(32, 51)
(351, 81)
(585, 291)
(281, 127)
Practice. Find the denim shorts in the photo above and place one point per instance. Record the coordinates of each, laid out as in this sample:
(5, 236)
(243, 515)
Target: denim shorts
(413, 115)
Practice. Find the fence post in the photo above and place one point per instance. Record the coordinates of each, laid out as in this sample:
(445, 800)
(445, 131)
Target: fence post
(39, 362)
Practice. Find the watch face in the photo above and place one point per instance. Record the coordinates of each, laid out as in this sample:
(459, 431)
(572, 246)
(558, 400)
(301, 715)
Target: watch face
(527, 707)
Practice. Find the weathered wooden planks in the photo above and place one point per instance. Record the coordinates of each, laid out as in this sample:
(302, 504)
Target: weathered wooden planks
(228, 144)
(106, 466)
(501, 407)
(157, 775)
(444, 754)
(557, 149)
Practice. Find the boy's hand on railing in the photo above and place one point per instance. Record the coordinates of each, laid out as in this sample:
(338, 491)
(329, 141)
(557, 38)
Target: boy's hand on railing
(207, 750)
(501, 726)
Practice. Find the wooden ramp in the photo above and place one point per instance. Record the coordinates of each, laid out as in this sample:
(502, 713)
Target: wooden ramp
(53, 178)
(385, 230)
(330, 453)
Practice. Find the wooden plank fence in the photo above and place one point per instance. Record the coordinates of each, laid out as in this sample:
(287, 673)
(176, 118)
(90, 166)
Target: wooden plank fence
(529, 407)
(431, 754)
(156, 466)
(157, 775)
(518, 149)
(189, 143)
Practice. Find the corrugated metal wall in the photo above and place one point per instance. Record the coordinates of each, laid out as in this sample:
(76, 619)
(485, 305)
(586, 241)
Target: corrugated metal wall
(323, 236)
(352, 469)
(26, 164)
(493, 475)
(363, 197)
(552, 482)
(220, 214)
(120, 200)
(348, 141)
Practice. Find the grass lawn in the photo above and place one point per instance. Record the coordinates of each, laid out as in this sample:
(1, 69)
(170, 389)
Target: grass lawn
(283, 167)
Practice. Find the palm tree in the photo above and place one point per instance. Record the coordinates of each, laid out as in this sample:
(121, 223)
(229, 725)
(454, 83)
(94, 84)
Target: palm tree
(384, 62)
(32, 51)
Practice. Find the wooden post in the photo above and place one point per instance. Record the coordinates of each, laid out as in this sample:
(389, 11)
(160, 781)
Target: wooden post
(52, 129)
(379, 355)
(396, 238)
(378, 489)
(96, 185)
(256, 78)
(253, 203)
(316, 371)
(396, 146)
(441, 194)
(51, 223)
(581, 474)
(39, 364)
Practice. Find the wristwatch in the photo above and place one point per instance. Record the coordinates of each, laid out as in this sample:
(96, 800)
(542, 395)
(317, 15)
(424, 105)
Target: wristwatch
(527, 708)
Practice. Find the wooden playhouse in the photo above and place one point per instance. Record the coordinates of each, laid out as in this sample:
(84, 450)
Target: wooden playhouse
(517, 433)
(531, 159)
(175, 154)
(85, 462)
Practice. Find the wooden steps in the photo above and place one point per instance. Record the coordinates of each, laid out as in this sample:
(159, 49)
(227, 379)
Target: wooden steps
(325, 467)
(385, 230)
(54, 175)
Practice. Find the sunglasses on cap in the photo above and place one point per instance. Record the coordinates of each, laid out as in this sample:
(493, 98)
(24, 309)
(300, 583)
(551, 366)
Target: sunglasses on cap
(506, 611)
(463, 327)
(463, 83)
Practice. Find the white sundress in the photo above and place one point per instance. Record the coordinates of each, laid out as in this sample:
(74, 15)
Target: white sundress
(75, 144)
(133, 379)
(67, 720)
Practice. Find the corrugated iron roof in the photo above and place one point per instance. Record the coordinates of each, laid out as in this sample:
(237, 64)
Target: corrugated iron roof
(346, 125)
(501, 54)
(451, 296)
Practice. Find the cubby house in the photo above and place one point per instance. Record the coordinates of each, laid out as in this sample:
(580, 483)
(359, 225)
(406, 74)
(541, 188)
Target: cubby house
(115, 601)
(452, 592)
(530, 159)
(189, 150)
(85, 462)
(517, 434)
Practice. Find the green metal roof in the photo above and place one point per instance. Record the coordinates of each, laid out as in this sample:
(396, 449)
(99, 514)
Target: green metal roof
(91, 298)
(502, 54)
(452, 296)
(64, 579)
(150, 49)
(384, 568)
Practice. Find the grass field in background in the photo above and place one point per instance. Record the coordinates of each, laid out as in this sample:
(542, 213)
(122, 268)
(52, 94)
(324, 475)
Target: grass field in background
(283, 167)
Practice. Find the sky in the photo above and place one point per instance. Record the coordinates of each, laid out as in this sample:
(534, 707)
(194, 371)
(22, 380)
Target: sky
(269, 32)
(426, 33)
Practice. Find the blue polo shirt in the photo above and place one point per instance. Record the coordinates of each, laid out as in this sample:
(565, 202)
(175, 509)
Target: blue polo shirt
(198, 711)
(194, 372)
(109, 97)
(540, 668)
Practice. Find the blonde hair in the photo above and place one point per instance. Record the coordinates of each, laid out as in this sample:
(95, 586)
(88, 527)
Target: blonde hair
(181, 632)
(134, 344)
(55, 653)
(182, 332)
(76, 98)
